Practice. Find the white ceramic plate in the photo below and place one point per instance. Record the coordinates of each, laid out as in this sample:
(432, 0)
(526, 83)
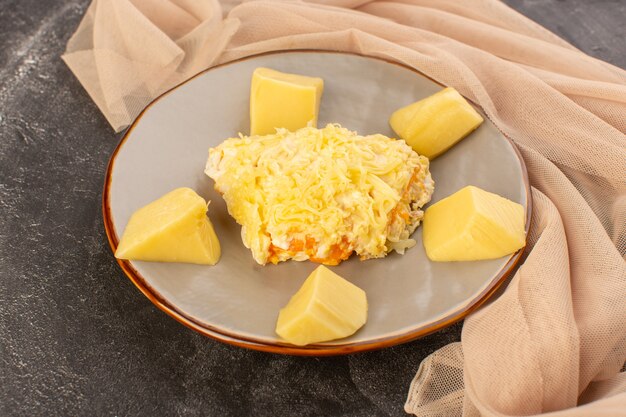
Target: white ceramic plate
(237, 301)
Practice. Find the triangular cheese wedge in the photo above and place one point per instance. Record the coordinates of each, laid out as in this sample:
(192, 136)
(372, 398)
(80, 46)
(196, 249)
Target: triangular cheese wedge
(173, 228)
(473, 224)
(433, 125)
(282, 100)
(326, 307)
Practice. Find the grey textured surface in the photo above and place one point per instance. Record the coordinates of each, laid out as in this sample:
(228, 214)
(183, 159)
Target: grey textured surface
(597, 27)
(76, 337)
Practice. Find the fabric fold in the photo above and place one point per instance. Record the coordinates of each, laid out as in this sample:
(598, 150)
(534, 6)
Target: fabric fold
(127, 52)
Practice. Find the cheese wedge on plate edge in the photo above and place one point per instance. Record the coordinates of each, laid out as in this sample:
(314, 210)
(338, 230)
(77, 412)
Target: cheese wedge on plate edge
(326, 307)
(433, 125)
(473, 224)
(282, 100)
(173, 228)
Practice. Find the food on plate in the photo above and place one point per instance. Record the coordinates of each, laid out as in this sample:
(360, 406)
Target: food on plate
(326, 307)
(473, 224)
(173, 228)
(321, 194)
(281, 100)
(433, 125)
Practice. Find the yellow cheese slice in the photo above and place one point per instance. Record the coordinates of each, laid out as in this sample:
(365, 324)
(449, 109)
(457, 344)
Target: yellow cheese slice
(326, 307)
(281, 100)
(473, 224)
(173, 228)
(433, 125)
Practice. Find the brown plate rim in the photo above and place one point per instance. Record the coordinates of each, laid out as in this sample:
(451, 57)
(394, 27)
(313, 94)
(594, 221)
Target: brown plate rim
(284, 348)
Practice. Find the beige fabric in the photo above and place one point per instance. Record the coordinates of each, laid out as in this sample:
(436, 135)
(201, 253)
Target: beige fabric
(556, 337)
(127, 52)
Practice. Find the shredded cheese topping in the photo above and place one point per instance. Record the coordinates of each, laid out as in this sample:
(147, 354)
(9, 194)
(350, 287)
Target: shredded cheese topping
(321, 194)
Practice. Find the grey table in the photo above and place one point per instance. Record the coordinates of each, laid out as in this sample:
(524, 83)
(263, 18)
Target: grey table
(76, 337)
